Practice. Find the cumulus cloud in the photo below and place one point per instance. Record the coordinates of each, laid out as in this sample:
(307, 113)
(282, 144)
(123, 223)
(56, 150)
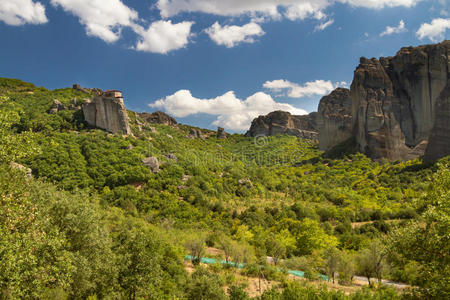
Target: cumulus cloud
(294, 90)
(391, 30)
(435, 31)
(324, 25)
(231, 36)
(378, 4)
(20, 12)
(105, 19)
(232, 113)
(292, 9)
(163, 36)
(102, 18)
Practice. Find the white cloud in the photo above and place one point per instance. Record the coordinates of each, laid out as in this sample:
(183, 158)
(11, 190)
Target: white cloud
(102, 18)
(434, 31)
(324, 25)
(19, 12)
(231, 36)
(306, 9)
(232, 113)
(379, 4)
(391, 30)
(293, 9)
(294, 90)
(163, 36)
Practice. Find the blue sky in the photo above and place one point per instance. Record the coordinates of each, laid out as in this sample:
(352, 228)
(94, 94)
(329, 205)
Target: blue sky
(210, 63)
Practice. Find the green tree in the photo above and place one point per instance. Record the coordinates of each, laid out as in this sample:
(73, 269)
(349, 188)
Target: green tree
(346, 268)
(332, 261)
(426, 241)
(196, 246)
(205, 286)
(33, 258)
(237, 293)
(371, 261)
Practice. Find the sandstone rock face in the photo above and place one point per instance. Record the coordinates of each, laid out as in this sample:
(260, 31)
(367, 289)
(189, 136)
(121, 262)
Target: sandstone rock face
(107, 113)
(439, 142)
(159, 117)
(394, 100)
(281, 122)
(334, 119)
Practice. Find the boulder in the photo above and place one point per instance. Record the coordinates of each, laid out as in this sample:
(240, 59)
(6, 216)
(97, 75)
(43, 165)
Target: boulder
(56, 107)
(74, 105)
(152, 163)
(195, 133)
(171, 156)
(282, 122)
(334, 119)
(221, 134)
(108, 113)
(27, 171)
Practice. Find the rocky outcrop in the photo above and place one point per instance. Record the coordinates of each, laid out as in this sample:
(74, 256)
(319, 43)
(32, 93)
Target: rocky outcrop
(107, 111)
(79, 88)
(281, 122)
(195, 133)
(152, 163)
(394, 101)
(56, 107)
(439, 142)
(221, 134)
(159, 117)
(74, 105)
(334, 119)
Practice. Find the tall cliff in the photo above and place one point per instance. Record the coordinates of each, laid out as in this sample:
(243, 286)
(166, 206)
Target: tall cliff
(282, 122)
(107, 112)
(394, 101)
(334, 118)
(439, 142)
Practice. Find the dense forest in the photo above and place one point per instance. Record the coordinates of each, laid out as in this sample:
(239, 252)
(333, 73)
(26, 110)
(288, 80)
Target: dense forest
(91, 221)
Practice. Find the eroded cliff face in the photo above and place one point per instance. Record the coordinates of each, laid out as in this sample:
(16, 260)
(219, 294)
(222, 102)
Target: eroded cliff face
(282, 122)
(107, 113)
(439, 142)
(394, 101)
(334, 119)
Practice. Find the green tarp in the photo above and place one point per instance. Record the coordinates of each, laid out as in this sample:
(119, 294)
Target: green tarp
(211, 261)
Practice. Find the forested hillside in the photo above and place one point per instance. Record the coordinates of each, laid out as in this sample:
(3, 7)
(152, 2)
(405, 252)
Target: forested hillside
(94, 222)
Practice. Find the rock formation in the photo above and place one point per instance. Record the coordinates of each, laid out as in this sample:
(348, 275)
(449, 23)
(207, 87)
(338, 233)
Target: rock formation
(394, 101)
(334, 119)
(195, 133)
(439, 141)
(107, 111)
(159, 117)
(281, 122)
(79, 88)
(152, 163)
(56, 107)
(221, 134)
(74, 105)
